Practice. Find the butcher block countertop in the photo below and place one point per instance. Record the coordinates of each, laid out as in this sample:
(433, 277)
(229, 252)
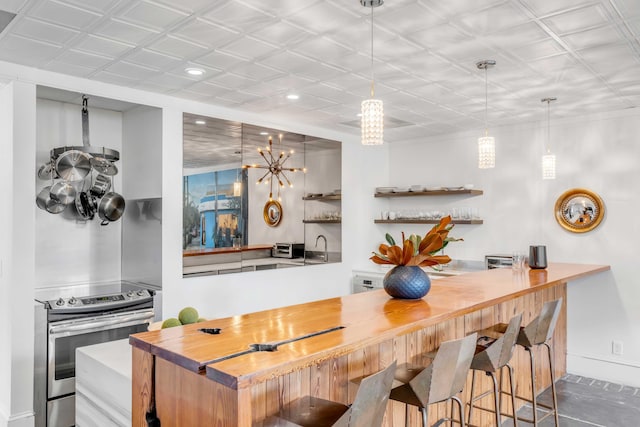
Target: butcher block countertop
(229, 250)
(352, 321)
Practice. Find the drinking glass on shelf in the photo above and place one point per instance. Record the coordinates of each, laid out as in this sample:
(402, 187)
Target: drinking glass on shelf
(518, 261)
(475, 213)
(465, 213)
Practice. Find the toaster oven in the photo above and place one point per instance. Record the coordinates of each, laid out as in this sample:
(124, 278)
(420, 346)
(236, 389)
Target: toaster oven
(288, 250)
(498, 261)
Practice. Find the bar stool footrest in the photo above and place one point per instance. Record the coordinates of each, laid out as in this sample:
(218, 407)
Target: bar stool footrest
(526, 399)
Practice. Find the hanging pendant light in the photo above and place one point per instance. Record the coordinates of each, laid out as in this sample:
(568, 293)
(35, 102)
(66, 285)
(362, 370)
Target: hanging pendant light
(372, 114)
(548, 159)
(486, 143)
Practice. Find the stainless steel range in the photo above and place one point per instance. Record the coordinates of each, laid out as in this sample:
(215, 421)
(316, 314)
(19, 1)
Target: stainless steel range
(79, 316)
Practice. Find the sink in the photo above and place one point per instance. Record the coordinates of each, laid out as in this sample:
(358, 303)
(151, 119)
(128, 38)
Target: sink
(317, 257)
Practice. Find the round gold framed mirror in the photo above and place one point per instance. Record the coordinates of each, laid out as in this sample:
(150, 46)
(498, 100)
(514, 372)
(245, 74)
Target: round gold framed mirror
(272, 213)
(579, 210)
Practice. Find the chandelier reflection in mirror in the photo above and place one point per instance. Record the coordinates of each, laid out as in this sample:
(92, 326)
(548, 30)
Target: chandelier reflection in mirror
(275, 167)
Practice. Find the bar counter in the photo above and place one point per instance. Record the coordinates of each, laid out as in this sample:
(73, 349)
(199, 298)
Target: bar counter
(198, 381)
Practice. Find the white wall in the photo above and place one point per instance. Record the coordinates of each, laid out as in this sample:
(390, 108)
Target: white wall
(6, 242)
(70, 251)
(17, 252)
(141, 152)
(598, 152)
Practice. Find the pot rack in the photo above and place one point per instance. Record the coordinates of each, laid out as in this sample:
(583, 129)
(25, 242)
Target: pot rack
(101, 154)
(106, 153)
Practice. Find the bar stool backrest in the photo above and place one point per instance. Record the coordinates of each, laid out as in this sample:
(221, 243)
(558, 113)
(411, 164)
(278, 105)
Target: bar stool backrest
(540, 329)
(499, 353)
(509, 341)
(371, 399)
(447, 374)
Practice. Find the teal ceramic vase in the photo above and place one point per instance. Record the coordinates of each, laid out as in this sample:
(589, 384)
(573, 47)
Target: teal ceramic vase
(407, 282)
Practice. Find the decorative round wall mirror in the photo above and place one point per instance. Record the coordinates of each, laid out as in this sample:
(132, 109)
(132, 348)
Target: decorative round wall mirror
(272, 213)
(579, 210)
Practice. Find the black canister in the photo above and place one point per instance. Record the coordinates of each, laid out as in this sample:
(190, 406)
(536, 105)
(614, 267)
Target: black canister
(538, 257)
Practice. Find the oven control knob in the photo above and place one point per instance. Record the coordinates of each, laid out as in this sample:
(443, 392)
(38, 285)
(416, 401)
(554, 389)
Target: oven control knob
(130, 293)
(142, 293)
(72, 300)
(60, 301)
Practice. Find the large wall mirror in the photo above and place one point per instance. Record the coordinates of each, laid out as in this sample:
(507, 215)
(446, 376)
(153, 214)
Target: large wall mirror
(256, 198)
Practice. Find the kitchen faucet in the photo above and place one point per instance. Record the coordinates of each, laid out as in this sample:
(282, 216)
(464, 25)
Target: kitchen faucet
(326, 254)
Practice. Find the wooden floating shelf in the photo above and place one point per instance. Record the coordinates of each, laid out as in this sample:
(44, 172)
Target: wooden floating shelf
(327, 197)
(322, 221)
(426, 221)
(430, 193)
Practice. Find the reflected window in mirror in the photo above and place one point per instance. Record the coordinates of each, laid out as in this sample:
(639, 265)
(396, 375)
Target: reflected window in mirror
(213, 214)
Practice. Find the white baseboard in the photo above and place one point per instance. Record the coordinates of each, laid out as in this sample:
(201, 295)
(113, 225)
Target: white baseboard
(615, 371)
(25, 419)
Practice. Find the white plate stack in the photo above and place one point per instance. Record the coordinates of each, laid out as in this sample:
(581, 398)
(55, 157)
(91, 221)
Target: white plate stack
(385, 189)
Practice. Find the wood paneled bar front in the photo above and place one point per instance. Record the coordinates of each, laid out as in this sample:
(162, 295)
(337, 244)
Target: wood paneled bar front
(203, 379)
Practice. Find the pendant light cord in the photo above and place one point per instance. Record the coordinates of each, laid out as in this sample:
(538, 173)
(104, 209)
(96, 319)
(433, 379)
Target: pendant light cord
(486, 102)
(372, 79)
(548, 126)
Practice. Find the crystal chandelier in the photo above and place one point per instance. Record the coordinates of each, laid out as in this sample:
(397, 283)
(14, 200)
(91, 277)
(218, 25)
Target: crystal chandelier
(372, 114)
(486, 143)
(275, 167)
(548, 159)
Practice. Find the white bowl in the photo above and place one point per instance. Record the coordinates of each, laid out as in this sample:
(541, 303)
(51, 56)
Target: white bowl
(468, 186)
(385, 189)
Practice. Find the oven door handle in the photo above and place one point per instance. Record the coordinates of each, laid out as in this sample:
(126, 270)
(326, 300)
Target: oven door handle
(99, 323)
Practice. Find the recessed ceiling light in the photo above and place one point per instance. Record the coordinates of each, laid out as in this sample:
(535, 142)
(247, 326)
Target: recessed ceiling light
(194, 71)
(201, 122)
(264, 133)
(293, 96)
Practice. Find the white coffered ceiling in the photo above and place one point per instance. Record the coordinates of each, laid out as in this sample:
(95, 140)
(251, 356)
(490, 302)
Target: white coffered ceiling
(255, 52)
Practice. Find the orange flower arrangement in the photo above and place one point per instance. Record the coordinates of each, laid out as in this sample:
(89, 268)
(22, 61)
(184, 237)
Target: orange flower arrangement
(416, 251)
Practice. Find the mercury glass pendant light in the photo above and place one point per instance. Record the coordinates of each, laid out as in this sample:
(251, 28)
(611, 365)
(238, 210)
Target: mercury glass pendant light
(372, 114)
(548, 159)
(486, 143)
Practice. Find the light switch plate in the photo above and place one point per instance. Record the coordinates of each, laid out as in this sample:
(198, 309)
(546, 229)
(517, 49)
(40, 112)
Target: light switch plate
(617, 348)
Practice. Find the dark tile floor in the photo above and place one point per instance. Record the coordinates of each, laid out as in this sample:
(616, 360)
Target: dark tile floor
(585, 402)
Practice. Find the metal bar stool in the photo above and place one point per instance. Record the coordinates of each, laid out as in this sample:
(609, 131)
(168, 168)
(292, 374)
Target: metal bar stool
(538, 332)
(491, 356)
(440, 381)
(367, 409)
